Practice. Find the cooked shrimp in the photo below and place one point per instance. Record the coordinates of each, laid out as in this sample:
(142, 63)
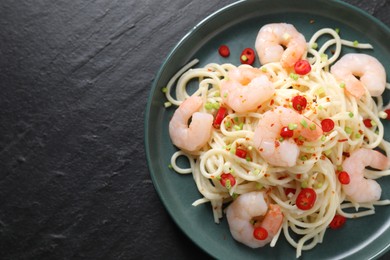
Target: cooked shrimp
(267, 135)
(190, 138)
(360, 72)
(280, 42)
(246, 88)
(245, 210)
(359, 188)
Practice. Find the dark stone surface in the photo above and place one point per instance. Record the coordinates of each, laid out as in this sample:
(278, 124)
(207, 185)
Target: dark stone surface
(74, 81)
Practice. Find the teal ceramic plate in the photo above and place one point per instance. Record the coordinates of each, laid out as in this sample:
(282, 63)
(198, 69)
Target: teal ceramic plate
(237, 26)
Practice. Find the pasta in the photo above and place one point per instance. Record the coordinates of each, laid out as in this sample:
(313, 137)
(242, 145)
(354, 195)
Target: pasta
(319, 161)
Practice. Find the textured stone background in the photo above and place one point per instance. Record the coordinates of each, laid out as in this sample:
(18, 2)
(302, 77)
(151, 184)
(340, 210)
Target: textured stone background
(74, 81)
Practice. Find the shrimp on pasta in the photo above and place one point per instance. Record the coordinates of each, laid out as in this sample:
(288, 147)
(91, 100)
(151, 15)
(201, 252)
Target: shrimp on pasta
(279, 146)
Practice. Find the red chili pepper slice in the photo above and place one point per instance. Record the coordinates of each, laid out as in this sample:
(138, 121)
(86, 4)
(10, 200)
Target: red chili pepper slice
(343, 177)
(302, 67)
(327, 125)
(337, 222)
(285, 132)
(224, 51)
(299, 103)
(387, 111)
(241, 153)
(227, 180)
(260, 233)
(221, 113)
(306, 199)
(367, 122)
(247, 56)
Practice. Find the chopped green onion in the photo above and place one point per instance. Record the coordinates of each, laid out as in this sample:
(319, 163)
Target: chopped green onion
(228, 124)
(239, 127)
(314, 45)
(303, 158)
(167, 104)
(373, 123)
(170, 166)
(216, 105)
(164, 90)
(342, 85)
(350, 114)
(259, 186)
(348, 130)
(228, 184)
(235, 195)
(236, 119)
(248, 159)
(323, 138)
(357, 135)
(294, 76)
(304, 184)
(208, 106)
(217, 94)
(263, 69)
(355, 43)
(225, 95)
(292, 126)
(320, 107)
(339, 168)
(337, 30)
(244, 58)
(319, 185)
(304, 123)
(312, 126)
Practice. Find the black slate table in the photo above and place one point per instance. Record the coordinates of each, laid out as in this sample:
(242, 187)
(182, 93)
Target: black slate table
(74, 81)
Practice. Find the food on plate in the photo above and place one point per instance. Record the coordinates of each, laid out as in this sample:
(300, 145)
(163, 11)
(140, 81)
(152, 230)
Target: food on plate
(282, 148)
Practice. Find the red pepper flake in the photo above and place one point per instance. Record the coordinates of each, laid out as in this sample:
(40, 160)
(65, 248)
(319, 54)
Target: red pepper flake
(342, 140)
(247, 56)
(298, 141)
(287, 191)
(337, 222)
(224, 51)
(277, 144)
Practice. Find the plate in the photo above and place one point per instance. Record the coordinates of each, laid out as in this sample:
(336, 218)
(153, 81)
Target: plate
(237, 25)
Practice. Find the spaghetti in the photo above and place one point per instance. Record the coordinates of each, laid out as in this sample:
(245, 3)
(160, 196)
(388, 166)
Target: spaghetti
(318, 161)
